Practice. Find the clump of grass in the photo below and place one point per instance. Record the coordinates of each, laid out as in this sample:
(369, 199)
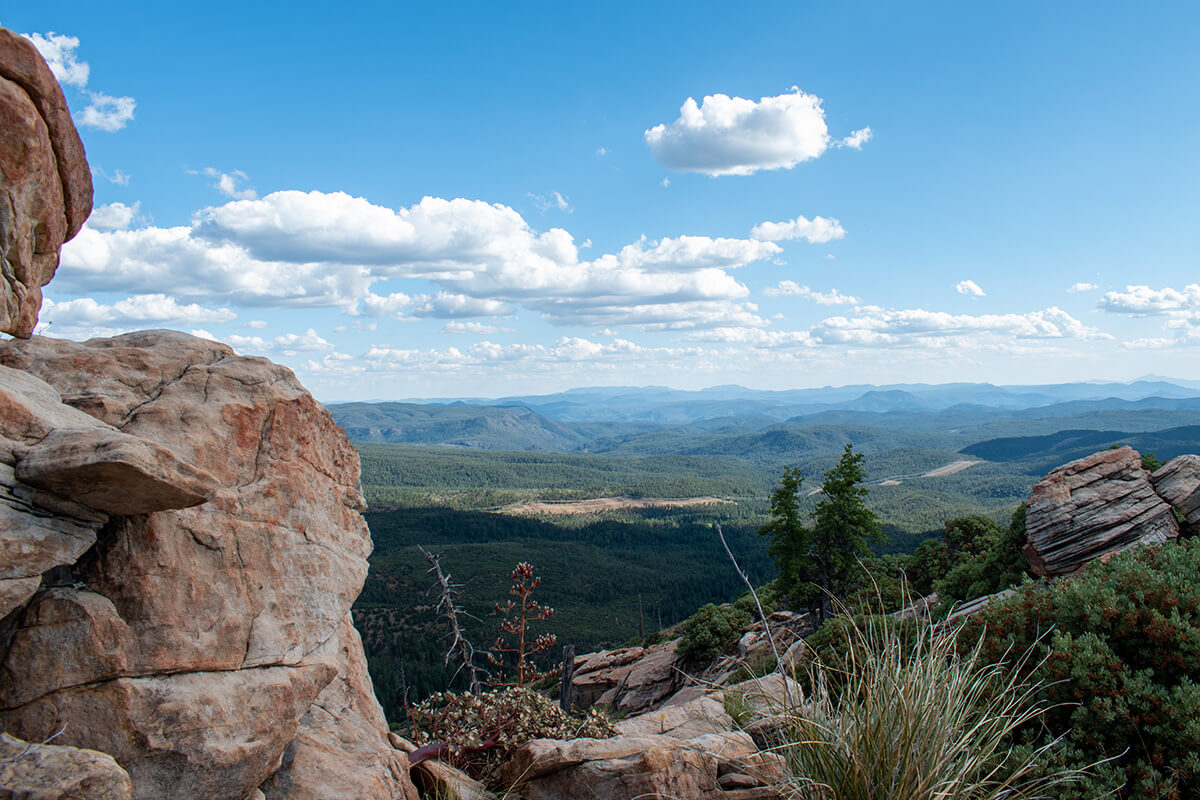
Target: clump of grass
(914, 718)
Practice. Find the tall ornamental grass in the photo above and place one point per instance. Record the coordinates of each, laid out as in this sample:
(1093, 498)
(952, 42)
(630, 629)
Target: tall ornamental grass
(913, 718)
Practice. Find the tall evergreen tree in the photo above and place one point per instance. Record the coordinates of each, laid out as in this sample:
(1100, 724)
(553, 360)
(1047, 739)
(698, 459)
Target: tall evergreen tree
(842, 527)
(791, 540)
(817, 562)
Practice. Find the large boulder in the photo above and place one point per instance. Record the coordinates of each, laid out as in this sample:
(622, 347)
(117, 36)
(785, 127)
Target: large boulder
(45, 182)
(1091, 508)
(206, 648)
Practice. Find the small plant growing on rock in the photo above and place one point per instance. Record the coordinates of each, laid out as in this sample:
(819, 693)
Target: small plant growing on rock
(516, 656)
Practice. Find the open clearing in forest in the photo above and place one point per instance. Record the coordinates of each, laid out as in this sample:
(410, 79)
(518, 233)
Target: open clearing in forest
(951, 468)
(599, 505)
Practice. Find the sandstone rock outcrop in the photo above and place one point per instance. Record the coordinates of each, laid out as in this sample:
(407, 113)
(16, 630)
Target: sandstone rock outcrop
(45, 183)
(208, 648)
(1093, 507)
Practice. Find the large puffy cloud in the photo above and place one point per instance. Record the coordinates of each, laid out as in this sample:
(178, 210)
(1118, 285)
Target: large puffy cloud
(1147, 301)
(328, 249)
(725, 135)
(173, 259)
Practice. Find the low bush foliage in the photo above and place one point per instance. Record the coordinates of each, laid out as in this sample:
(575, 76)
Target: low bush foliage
(1121, 668)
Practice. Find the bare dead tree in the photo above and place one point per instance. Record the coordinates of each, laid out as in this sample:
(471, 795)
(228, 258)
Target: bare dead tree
(754, 594)
(460, 646)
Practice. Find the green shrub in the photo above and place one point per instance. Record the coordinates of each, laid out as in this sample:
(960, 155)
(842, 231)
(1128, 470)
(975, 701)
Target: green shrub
(928, 564)
(987, 557)
(711, 631)
(480, 729)
(1122, 668)
(914, 718)
(1150, 462)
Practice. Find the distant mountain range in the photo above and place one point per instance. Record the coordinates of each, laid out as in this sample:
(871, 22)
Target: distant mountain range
(657, 419)
(675, 406)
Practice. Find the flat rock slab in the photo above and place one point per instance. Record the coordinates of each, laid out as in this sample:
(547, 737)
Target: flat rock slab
(1093, 507)
(114, 472)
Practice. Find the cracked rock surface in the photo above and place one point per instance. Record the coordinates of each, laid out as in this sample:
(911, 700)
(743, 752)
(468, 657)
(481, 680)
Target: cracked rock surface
(1091, 508)
(206, 648)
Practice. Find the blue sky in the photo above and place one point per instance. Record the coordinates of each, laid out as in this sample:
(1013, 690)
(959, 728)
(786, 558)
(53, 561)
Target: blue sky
(484, 199)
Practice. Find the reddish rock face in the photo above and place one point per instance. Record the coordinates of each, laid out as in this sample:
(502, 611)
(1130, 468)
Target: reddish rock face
(1093, 507)
(45, 182)
(199, 645)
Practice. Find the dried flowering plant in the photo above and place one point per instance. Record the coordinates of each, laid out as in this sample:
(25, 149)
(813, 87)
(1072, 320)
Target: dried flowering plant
(515, 656)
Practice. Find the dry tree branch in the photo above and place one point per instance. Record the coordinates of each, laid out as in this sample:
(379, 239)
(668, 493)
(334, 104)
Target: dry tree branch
(460, 645)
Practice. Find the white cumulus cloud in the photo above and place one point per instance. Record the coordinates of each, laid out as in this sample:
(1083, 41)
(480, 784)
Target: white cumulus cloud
(816, 230)
(104, 111)
(113, 216)
(1144, 300)
(725, 135)
(1082, 287)
(59, 52)
(969, 288)
(858, 138)
(293, 248)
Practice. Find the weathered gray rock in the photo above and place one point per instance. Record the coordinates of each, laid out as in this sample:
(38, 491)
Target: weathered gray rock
(1178, 482)
(45, 182)
(631, 679)
(697, 717)
(1093, 507)
(31, 771)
